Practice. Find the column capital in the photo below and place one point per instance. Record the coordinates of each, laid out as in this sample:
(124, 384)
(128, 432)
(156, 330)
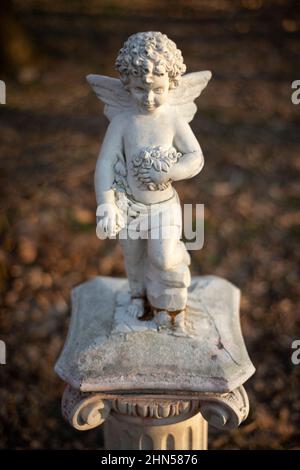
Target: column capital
(88, 410)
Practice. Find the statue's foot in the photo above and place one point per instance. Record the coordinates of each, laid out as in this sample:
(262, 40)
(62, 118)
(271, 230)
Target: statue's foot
(176, 322)
(163, 319)
(136, 308)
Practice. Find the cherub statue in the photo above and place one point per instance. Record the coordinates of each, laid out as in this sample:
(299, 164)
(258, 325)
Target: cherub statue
(148, 145)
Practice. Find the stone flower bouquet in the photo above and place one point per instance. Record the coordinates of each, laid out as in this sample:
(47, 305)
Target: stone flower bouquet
(157, 158)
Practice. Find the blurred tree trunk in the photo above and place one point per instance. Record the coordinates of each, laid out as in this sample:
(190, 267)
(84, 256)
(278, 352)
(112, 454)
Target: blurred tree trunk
(17, 54)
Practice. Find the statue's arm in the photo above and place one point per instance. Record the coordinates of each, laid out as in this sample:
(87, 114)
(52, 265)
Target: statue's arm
(112, 146)
(192, 161)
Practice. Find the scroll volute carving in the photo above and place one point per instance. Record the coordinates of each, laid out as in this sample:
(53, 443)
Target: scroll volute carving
(84, 411)
(226, 411)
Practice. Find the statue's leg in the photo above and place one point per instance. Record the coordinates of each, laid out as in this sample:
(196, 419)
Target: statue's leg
(167, 251)
(134, 255)
(168, 276)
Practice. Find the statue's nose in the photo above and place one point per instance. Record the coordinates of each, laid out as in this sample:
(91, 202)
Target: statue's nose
(149, 97)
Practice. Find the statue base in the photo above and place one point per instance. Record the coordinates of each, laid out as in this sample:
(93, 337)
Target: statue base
(154, 387)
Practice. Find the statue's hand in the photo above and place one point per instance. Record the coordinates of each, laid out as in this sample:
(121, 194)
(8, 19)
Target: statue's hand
(150, 175)
(109, 221)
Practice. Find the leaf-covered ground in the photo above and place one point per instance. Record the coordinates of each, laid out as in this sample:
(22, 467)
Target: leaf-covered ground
(51, 131)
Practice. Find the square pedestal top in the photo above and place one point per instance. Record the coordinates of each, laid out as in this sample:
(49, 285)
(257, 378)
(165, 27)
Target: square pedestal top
(108, 351)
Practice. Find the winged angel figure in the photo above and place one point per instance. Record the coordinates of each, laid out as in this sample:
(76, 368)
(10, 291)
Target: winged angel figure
(148, 145)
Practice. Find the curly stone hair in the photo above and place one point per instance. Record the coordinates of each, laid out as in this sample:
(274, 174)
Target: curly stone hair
(145, 54)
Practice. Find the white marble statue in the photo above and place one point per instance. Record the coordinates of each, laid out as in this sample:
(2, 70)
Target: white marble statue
(148, 145)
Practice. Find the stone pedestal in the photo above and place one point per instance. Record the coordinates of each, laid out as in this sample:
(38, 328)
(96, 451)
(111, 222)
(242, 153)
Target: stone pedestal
(154, 388)
(155, 424)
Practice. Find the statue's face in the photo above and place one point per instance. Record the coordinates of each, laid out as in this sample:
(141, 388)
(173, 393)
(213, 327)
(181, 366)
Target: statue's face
(151, 92)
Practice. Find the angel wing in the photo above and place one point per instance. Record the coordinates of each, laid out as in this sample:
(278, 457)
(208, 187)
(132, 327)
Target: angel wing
(111, 92)
(190, 87)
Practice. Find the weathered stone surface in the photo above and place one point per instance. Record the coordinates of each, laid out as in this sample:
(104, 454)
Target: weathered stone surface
(148, 146)
(107, 350)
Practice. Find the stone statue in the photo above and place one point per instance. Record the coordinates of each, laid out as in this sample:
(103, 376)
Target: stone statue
(148, 145)
(153, 383)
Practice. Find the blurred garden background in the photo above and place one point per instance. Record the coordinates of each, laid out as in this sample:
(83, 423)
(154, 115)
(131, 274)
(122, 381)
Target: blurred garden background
(51, 130)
